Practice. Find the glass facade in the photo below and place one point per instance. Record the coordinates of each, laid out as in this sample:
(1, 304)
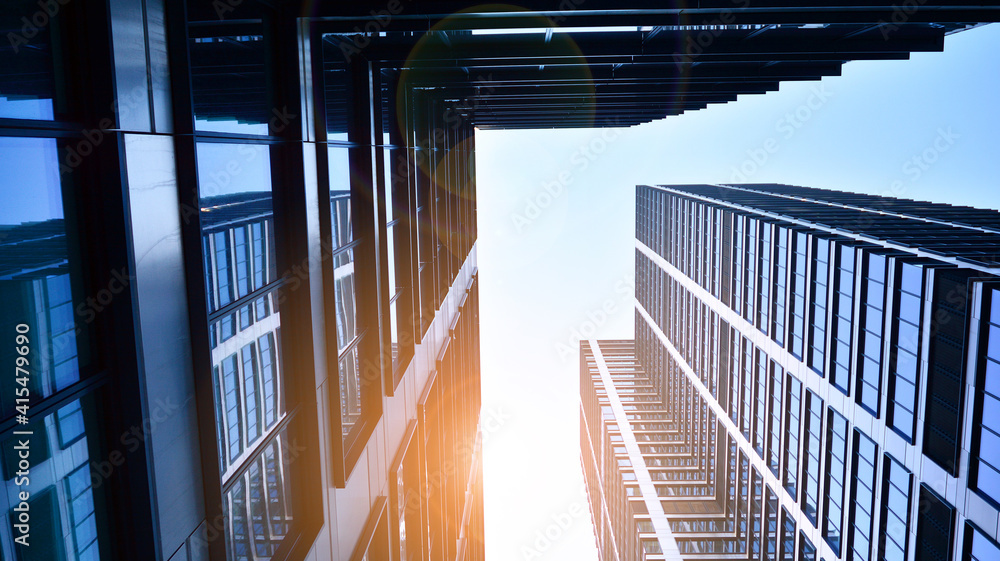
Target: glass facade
(806, 441)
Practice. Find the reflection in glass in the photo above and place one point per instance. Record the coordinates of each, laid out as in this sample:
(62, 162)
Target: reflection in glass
(257, 506)
(240, 265)
(35, 283)
(872, 314)
(903, 398)
(227, 81)
(27, 84)
(350, 389)
(987, 429)
(62, 504)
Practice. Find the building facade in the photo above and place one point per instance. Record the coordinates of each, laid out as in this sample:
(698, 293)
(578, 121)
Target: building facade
(821, 364)
(238, 248)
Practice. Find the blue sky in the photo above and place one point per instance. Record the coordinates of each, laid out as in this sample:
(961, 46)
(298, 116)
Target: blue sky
(556, 233)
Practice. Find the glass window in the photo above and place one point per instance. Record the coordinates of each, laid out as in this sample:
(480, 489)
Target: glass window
(905, 350)
(774, 430)
(780, 290)
(836, 463)
(750, 270)
(862, 496)
(870, 337)
(787, 536)
(986, 431)
(843, 318)
(219, 96)
(811, 459)
(764, 282)
(895, 511)
(36, 281)
(760, 406)
(807, 551)
(771, 537)
(738, 260)
(28, 85)
(748, 385)
(798, 315)
(979, 546)
(793, 397)
(820, 279)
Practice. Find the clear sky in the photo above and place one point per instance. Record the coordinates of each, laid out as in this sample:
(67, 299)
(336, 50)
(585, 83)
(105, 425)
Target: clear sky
(556, 234)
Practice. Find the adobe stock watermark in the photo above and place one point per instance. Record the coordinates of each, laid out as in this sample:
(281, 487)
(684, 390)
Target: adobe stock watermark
(216, 527)
(580, 160)
(32, 25)
(914, 168)
(787, 126)
(555, 530)
(695, 45)
(378, 21)
(132, 439)
(596, 318)
(901, 13)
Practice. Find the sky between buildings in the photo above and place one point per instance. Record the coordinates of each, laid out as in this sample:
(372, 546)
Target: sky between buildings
(556, 239)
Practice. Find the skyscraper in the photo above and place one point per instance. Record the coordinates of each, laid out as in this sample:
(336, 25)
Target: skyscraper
(821, 365)
(239, 239)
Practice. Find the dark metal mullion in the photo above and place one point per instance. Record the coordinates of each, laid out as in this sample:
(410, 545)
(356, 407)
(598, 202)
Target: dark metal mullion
(336, 442)
(51, 403)
(341, 355)
(248, 299)
(236, 138)
(244, 465)
(185, 143)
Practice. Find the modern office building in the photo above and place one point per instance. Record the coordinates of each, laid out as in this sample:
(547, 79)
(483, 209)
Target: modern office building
(238, 247)
(817, 370)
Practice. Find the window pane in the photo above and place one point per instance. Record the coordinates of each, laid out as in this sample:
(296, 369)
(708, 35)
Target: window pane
(36, 280)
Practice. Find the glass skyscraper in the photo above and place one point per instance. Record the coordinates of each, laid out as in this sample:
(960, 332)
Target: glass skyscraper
(812, 378)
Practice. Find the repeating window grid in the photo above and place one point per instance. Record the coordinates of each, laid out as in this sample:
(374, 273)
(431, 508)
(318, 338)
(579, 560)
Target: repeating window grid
(780, 288)
(241, 251)
(760, 404)
(870, 336)
(904, 357)
(737, 261)
(836, 470)
(685, 238)
(820, 279)
(986, 421)
(764, 282)
(715, 354)
(793, 427)
(747, 393)
(250, 393)
(798, 310)
(756, 514)
(717, 252)
(750, 270)
(843, 320)
(774, 429)
(696, 246)
(707, 238)
(862, 496)
(812, 456)
(223, 255)
(895, 515)
(228, 390)
(735, 377)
